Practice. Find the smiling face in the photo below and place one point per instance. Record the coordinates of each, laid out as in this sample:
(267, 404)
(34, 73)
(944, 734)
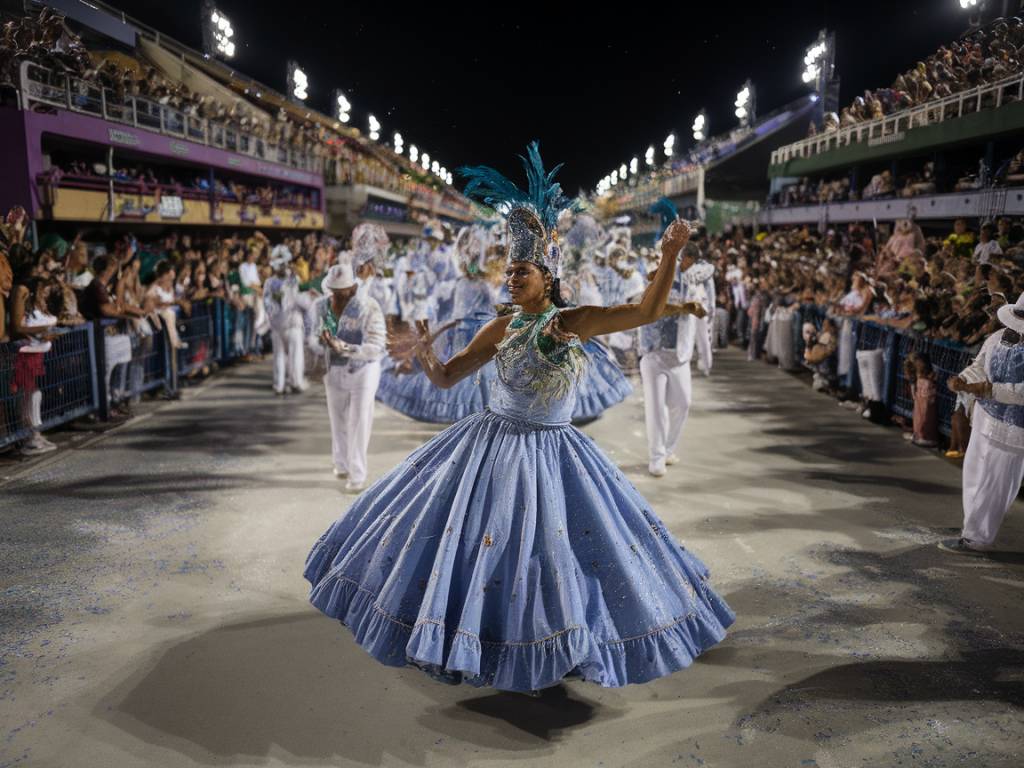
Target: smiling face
(527, 283)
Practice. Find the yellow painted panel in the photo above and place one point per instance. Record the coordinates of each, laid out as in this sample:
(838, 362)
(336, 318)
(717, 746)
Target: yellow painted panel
(87, 205)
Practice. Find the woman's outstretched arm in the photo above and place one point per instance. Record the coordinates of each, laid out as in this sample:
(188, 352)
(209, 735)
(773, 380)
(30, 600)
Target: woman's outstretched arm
(595, 321)
(476, 354)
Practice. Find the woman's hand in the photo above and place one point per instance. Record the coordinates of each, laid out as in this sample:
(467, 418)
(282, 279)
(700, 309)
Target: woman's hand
(694, 308)
(402, 342)
(676, 236)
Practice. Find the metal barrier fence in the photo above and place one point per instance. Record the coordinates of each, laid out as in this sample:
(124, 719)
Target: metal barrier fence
(947, 359)
(65, 377)
(70, 373)
(197, 330)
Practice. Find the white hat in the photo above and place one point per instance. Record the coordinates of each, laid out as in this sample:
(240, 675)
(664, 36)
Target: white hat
(369, 243)
(279, 256)
(1012, 315)
(338, 277)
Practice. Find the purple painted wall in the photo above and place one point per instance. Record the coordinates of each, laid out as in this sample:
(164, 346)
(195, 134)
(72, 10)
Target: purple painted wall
(16, 187)
(21, 160)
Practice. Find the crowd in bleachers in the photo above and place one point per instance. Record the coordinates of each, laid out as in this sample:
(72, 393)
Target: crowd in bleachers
(796, 297)
(986, 56)
(137, 290)
(46, 40)
(147, 180)
(914, 182)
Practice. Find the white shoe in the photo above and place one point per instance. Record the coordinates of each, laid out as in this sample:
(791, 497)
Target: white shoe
(657, 469)
(36, 446)
(673, 459)
(340, 473)
(353, 487)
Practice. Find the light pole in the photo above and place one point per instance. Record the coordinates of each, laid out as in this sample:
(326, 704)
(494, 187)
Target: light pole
(298, 82)
(218, 34)
(820, 71)
(700, 126)
(745, 105)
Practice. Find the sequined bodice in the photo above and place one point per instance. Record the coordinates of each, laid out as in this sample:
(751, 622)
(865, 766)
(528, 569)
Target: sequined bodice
(539, 367)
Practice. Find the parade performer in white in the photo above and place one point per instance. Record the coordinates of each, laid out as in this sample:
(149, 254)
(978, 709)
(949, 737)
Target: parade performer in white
(285, 308)
(698, 284)
(351, 331)
(666, 348)
(369, 253)
(994, 464)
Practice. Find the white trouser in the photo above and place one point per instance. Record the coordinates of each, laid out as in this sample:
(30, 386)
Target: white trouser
(32, 409)
(703, 340)
(667, 397)
(289, 357)
(350, 406)
(722, 327)
(117, 350)
(992, 476)
(871, 368)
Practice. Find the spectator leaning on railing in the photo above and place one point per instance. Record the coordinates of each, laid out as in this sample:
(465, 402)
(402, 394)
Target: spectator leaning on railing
(98, 305)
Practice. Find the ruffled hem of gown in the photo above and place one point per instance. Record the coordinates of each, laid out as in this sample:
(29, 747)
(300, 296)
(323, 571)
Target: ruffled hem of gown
(603, 385)
(461, 657)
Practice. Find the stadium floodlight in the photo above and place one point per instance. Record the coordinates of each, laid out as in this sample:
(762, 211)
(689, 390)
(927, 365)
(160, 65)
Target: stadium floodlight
(634, 166)
(342, 107)
(414, 153)
(449, 179)
(615, 178)
(425, 161)
(649, 156)
(965, 4)
(623, 171)
(435, 168)
(399, 143)
(374, 125)
(745, 104)
(670, 145)
(218, 34)
(298, 82)
(816, 58)
(700, 126)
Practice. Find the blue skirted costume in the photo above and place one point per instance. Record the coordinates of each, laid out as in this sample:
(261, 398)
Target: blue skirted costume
(412, 394)
(602, 386)
(508, 551)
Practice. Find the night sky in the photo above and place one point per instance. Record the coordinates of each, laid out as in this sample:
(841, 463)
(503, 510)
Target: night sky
(474, 86)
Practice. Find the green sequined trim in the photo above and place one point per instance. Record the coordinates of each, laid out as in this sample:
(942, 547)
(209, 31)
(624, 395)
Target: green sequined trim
(560, 352)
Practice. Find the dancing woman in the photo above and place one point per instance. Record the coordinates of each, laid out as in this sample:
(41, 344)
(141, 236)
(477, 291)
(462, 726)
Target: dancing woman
(508, 551)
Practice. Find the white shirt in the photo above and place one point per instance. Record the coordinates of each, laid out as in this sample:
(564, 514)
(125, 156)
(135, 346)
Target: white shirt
(1010, 393)
(249, 274)
(983, 252)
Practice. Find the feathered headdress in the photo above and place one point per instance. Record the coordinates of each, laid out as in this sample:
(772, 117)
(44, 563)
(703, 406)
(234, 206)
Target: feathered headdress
(370, 243)
(668, 212)
(532, 216)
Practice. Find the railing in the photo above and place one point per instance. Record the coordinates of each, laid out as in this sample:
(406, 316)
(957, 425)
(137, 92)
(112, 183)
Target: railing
(44, 86)
(198, 331)
(889, 128)
(947, 359)
(69, 377)
(66, 378)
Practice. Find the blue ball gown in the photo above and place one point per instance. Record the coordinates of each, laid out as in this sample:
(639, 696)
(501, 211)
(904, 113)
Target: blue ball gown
(413, 395)
(602, 385)
(509, 552)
